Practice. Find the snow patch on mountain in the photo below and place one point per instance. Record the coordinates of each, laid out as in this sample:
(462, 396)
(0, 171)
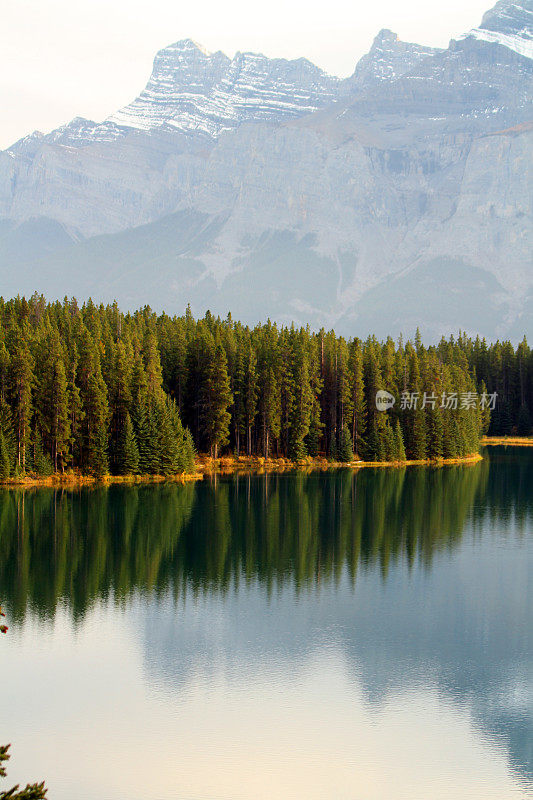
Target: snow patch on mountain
(521, 44)
(510, 17)
(509, 24)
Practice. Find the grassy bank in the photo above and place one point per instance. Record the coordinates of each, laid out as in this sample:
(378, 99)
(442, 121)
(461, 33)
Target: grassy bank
(512, 441)
(231, 464)
(73, 480)
(225, 465)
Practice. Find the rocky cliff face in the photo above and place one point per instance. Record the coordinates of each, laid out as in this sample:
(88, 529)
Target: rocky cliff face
(389, 58)
(399, 197)
(510, 19)
(195, 91)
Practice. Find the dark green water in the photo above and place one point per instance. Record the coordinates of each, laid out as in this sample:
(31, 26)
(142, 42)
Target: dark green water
(339, 636)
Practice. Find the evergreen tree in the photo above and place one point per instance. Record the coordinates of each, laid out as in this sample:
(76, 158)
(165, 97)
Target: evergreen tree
(5, 466)
(6, 430)
(169, 447)
(389, 443)
(345, 448)
(127, 453)
(79, 384)
(216, 401)
(76, 413)
(314, 436)
(21, 368)
(301, 401)
(399, 448)
(250, 396)
(239, 399)
(524, 421)
(435, 434)
(418, 441)
(42, 463)
(95, 408)
(358, 397)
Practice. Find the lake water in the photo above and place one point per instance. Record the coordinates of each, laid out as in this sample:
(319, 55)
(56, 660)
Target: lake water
(335, 636)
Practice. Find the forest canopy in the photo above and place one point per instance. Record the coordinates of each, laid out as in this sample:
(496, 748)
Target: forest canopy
(93, 389)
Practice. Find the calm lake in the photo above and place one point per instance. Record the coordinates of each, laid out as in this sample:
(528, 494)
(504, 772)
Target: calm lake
(335, 636)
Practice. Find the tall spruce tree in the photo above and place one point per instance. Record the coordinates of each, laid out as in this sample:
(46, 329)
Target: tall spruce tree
(95, 408)
(5, 465)
(126, 460)
(21, 380)
(216, 401)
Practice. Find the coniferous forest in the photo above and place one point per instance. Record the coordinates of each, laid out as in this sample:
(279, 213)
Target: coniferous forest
(98, 391)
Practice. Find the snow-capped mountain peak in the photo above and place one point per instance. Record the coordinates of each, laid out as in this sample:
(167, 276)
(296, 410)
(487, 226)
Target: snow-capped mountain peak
(193, 90)
(509, 24)
(389, 58)
(510, 17)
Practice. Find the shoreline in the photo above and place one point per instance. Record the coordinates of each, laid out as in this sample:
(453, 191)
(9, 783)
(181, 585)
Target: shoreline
(226, 465)
(511, 441)
(74, 480)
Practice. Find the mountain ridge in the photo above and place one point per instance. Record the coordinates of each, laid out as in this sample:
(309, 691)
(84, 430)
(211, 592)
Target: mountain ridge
(317, 194)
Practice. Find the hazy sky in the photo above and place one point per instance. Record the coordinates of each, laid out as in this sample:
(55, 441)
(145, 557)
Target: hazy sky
(65, 58)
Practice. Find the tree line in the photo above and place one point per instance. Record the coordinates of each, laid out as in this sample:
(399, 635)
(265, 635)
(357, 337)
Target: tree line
(96, 390)
(507, 371)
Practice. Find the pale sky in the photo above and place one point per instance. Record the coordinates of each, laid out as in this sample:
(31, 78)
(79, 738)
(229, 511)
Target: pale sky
(65, 58)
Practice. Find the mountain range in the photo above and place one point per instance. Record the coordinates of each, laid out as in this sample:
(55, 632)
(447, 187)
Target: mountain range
(398, 197)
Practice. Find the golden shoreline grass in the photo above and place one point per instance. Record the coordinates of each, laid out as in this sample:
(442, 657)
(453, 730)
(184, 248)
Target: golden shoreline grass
(233, 464)
(225, 465)
(513, 441)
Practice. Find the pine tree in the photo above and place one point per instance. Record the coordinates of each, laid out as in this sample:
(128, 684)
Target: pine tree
(216, 401)
(345, 453)
(374, 450)
(250, 396)
(358, 397)
(76, 413)
(399, 449)
(389, 444)
(6, 430)
(435, 434)
(21, 368)
(313, 438)
(485, 411)
(239, 399)
(169, 450)
(5, 466)
(187, 452)
(418, 443)
(127, 453)
(95, 408)
(524, 421)
(301, 400)
(42, 463)
(70, 376)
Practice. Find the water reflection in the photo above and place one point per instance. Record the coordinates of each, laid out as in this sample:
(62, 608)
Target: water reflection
(399, 597)
(296, 528)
